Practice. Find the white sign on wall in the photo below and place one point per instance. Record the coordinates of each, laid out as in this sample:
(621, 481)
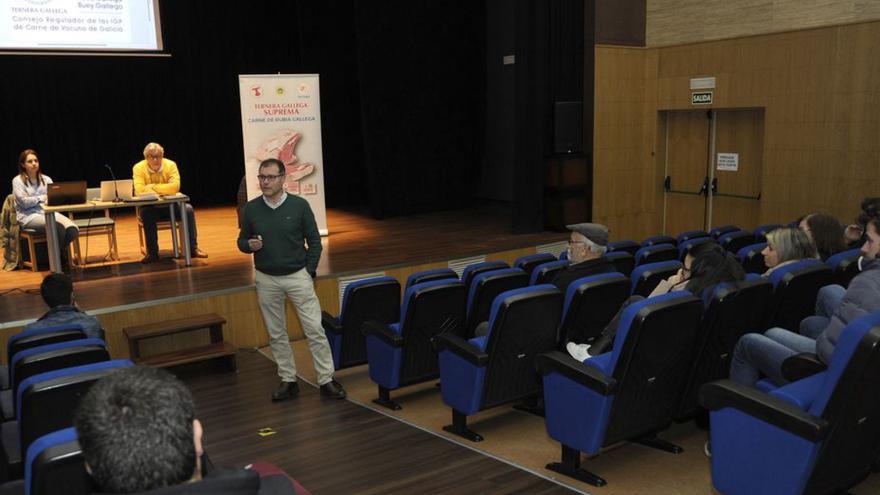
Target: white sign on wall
(281, 118)
(727, 161)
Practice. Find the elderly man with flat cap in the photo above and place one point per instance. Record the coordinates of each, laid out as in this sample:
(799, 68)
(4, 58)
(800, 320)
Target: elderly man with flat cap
(587, 244)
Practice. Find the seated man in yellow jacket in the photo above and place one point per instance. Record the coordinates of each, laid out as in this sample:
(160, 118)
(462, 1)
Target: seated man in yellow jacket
(157, 174)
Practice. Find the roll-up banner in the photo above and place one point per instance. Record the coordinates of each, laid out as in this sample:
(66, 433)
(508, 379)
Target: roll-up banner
(281, 118)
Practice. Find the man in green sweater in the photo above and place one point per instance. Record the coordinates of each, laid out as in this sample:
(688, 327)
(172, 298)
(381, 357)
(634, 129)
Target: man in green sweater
(273, 228)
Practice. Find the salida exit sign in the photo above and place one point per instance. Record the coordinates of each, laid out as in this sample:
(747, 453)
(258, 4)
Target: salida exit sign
(701, 98)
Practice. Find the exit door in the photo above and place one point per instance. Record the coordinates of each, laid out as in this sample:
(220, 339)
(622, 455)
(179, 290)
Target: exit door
(714, 162)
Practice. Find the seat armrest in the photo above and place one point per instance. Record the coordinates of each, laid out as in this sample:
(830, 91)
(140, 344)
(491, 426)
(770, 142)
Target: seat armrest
(461, 348)
(382, 332)
(331, 323)
(779, 413)
(573, 369)
(801, 366)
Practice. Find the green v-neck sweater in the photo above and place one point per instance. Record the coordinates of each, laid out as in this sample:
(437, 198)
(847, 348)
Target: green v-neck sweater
(283, 230)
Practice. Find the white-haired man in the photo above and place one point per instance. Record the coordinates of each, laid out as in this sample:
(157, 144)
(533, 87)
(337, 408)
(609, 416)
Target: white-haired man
(587, 244)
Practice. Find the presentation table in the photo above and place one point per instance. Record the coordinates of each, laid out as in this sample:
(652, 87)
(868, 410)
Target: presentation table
(174, 202)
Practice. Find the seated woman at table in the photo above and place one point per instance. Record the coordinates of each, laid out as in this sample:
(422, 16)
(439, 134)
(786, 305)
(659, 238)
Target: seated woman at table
(30, 189)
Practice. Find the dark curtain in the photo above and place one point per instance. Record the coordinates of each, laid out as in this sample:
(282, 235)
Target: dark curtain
(401, 99)
(422, 82)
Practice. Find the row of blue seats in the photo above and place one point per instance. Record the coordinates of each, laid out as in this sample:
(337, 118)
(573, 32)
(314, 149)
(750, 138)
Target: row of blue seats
(49, 369)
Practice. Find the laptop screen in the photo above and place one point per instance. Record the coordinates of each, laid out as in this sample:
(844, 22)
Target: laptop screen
(66, 193)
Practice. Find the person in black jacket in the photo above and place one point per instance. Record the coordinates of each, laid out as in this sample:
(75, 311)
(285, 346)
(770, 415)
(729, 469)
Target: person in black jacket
(139, 434)
(586, 247)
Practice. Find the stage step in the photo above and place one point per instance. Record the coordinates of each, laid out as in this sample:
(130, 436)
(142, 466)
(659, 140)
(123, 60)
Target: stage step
(216, 349)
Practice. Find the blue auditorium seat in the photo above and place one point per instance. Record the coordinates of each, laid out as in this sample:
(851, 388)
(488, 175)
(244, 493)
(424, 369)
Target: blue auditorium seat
(428, 276)
(658, 239)
(544, 273)
(629, 246)
(844, 266)
(644, 278)
(736, 240)
(690, 234)
(590, 304)
(687, 246)
(731, 311)
(623, 261)
(794, 293)
(45, 403)
(401, 354)
(528, 262)
(717, 232)
(815, 435)
(761, 231)
(655, 253)
(483, 291)
(563, 256)
(499, 368)
(54, 464)
(751, 259)
(471, 271)
(376, 298)
(628, 393)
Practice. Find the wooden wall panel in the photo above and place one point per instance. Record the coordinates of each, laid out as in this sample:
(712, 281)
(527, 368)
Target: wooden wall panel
(820, 90)
(244, 326)
(673, 22)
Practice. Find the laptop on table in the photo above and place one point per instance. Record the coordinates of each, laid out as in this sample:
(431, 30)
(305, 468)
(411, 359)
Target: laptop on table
(66, 193)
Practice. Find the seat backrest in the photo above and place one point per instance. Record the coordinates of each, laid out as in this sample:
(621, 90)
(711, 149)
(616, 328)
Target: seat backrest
(761, 231)
(644, 278)
(652, 355)
(794, 292)
(54, 464)
(655, 253)
(528, 262)
(691, 234)
(687, 246)
(429, 309)
(522, 325)
(544, 273)
(720, 230)
(623, 261)
(658, 239)
(731, 311)
(42, 336)
(590, 304)
(751, 259)
(849, 401)
(36, 360)
(376, 299)
(626, 245)
(736, 240)
(429, 275)
(46, 402)
(485, 288)
(471, 271)
(844, 266)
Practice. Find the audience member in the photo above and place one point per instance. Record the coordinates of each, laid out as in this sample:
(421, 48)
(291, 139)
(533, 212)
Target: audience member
(30, 188)
(281, 232)
(57, 292)
(826, 233)
(139, 434)
(855, 233)
(786, 246)
(757, 354)
(157, 174)
(586, 247)
(705, 266)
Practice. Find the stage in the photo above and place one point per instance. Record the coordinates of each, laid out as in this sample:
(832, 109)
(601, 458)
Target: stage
(127, 292)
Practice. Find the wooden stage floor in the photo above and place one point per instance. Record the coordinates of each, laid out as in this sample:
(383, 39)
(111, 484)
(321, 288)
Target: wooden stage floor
(357, 243)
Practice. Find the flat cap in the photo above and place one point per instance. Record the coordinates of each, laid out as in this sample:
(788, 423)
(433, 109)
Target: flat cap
(595, 232)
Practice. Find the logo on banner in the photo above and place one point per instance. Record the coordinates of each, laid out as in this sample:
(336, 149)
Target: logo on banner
(304, 88)
(279, 90)
(257, 91)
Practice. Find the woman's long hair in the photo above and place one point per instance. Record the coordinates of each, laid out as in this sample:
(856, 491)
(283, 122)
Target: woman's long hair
(713, 265)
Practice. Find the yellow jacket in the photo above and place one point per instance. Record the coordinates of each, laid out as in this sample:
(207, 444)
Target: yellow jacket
(165, 181)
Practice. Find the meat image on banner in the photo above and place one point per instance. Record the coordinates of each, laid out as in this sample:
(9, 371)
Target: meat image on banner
(281, 118)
